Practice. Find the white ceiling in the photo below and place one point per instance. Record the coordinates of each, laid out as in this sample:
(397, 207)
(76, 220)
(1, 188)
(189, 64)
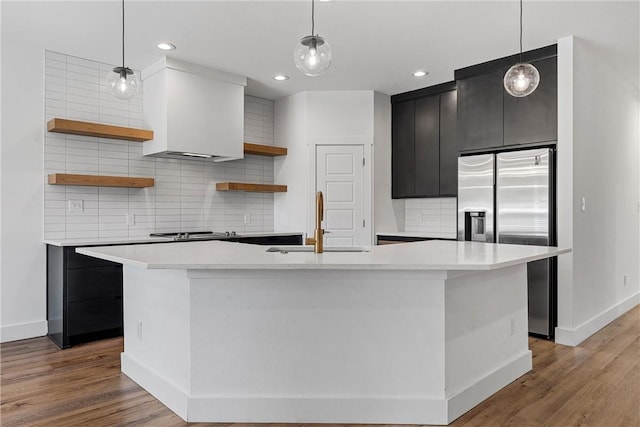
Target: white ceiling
(376, 44)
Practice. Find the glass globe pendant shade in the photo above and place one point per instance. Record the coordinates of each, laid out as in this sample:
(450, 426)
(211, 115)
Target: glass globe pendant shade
(521, 80)
(123, 82)
(312, 55)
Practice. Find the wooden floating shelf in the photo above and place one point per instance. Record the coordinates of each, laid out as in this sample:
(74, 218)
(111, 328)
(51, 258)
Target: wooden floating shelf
(96, 129)
(264, 150)
(255, 188)
(100, 180)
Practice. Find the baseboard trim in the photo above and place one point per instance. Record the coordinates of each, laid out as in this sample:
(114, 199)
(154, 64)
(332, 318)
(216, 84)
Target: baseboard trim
(285, 409)
(573, 337)
(23, 331)
(166, 392)
(468, 398)
(338, 409)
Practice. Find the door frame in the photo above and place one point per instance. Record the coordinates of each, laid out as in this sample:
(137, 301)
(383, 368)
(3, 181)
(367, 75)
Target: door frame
(366, 144)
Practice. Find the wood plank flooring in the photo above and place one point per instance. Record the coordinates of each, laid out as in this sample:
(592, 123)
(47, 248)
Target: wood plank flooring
(594, 384)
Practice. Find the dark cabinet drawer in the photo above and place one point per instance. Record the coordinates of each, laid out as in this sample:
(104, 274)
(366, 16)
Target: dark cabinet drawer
(94, 315)
(91, 283)
(75, 260)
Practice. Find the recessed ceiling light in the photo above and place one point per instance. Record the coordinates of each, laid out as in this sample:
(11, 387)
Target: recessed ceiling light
(420, 73)
(281, 77)
(166, 46)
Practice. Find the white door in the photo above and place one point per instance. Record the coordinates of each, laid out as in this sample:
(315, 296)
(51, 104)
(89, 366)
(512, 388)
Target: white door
(340, 177)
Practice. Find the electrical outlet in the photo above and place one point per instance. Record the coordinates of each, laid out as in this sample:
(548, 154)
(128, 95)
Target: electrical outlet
(247, 218)
(139, 330)
(130, 219)
(76, 206)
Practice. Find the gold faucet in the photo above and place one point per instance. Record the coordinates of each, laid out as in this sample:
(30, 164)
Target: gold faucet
(318, 233)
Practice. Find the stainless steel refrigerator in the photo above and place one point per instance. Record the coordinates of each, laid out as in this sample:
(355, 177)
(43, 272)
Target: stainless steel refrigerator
(509, 197)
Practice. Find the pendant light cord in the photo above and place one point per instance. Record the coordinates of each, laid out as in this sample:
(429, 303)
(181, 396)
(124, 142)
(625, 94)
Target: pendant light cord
(313, 20)
(123, 34)
(520, 30)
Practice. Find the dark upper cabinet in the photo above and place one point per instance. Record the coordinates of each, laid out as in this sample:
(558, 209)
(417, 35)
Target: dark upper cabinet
(490, 119)
(480, 111)
(427, 146)
(534, 118)
(448, 144)
(424, 144)
(402, 149)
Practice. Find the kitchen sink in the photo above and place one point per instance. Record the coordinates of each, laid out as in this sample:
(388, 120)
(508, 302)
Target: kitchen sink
(287, 249)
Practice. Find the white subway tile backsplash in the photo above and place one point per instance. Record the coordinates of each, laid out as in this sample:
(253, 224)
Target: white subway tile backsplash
(436, 216)
(184, 196)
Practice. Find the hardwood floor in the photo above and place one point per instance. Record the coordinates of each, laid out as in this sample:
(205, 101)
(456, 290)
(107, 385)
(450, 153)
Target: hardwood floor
(594, 384)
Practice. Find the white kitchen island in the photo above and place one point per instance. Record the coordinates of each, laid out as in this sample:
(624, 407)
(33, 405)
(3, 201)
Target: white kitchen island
(417, 333)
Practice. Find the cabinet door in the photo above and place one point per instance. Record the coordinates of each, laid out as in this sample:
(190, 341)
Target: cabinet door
(534, 118)
(427, 146)
(94, 283)
(94, 315)
(480, 111)
(448, 144)
(402, 149)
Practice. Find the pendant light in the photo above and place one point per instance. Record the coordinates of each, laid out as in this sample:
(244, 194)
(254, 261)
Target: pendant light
(313, 53)
(523, 78)
(123, 82)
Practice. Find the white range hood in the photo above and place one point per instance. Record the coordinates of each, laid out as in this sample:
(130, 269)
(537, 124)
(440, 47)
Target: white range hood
(194, 111)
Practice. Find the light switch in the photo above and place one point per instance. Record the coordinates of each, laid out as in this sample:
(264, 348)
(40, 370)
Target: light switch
(583, 204)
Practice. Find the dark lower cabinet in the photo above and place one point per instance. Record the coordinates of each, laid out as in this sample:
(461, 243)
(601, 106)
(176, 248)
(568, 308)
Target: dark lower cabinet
(84, 294)
(289, 239)
(84, 297)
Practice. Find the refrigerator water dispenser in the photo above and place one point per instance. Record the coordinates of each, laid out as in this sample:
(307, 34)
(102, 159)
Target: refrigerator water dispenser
(475, 226)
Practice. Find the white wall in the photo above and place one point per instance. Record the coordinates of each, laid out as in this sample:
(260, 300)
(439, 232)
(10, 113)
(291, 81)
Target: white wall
(22, 273)
(388, 214)
(290, 208)
(605, 143)
(313, 118)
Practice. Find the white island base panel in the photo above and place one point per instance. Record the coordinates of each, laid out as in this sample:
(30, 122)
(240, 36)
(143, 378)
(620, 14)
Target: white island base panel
(324, 346)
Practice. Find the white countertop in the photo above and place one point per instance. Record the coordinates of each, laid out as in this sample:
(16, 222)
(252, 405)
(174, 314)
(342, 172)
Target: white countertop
(428, 255)
(421, 234)
(94, 241)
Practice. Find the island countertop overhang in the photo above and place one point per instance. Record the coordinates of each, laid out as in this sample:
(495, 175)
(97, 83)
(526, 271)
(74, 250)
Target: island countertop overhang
(429, 255)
